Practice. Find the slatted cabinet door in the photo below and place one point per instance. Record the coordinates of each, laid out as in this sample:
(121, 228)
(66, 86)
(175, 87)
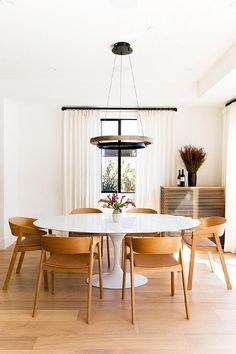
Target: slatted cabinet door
(211, 202)
(196, 202)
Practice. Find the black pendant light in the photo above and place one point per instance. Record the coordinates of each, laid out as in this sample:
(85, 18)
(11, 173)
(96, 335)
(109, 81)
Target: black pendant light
(122, 142)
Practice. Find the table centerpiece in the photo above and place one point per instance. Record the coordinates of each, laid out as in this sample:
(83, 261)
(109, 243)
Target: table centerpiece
(112, 201)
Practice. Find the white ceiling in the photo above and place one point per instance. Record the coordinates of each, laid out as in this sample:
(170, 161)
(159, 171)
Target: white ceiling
(60, 49)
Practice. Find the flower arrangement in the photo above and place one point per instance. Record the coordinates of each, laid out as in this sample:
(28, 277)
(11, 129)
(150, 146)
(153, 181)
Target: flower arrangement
(114, 202)
(193, 157)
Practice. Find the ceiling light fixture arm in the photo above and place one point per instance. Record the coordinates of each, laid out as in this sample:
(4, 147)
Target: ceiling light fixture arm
(136, 94)
(120, 83)
(110, 86)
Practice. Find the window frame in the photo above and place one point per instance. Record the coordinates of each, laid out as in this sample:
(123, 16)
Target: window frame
(119, 120)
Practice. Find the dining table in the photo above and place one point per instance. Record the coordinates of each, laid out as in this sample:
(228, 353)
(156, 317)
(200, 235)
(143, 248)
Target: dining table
(129, 223)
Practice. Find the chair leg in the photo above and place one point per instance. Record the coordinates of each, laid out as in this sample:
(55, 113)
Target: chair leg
(10, 268)
(172, 283)
(45, 280)
(223, 264)
(124, 273)
(185, 295)
(38, 285)
(184, 286)
(53, 282)
(211, 260)
(20, 262)
(102, 246)
(108, 252)
(191, 265)
(100, 270)
(89, 291)
(45, 275)
(132, 291)
(123, 253)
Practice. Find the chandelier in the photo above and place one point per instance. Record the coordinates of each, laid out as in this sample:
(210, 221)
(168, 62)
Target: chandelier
(122, 142)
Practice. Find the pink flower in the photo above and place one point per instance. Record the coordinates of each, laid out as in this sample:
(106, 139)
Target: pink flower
(113, 202)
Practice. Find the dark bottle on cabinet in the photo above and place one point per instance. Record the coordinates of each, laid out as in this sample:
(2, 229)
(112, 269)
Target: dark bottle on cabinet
(178, 179)
(182, 179)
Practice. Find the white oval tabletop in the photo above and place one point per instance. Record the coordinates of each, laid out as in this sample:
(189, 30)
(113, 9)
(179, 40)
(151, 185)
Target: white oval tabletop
(130, 223)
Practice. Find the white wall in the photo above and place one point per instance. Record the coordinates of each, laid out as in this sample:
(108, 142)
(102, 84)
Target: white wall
(201, 127)
(37, 181)
(11, 164)
(1, 173)
(8, 167)
(40, 159)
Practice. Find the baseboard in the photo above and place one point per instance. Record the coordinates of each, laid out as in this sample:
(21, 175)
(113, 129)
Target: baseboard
(6, 242)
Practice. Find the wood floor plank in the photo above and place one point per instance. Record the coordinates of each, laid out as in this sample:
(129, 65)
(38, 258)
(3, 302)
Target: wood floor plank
(129, 342)
(42, 315)
(204, 342)
(19, 342)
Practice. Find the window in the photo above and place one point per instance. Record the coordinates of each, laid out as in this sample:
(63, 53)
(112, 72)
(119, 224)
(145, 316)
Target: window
(118, 166)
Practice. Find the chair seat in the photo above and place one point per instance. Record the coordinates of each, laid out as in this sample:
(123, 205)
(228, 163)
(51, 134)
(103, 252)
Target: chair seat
(30, 242)
(154, 260)
(68, 261)
(203, 242)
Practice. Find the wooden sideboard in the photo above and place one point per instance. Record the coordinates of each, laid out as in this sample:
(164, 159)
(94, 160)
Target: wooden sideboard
(196, 202)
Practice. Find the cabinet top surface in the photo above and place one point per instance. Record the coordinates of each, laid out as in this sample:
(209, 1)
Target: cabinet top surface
(190, 188)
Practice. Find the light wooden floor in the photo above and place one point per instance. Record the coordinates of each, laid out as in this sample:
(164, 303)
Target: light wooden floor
(161, 326)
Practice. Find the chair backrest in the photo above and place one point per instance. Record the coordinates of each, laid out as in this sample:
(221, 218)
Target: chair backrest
(84, 240)
(156, 245)
(142, 211)
(22, 224)
(63, 245)
(86, 211)
(136, 241)
(211, 225)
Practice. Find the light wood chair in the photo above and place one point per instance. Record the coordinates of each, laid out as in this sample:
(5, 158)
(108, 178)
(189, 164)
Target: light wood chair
(142, 211)
(93, 211)
(70, 255)
(199, 240)
(28, 240)
(156, 253)
(136, 211)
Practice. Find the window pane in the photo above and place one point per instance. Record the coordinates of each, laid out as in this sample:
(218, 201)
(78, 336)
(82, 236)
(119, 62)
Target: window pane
(128, 171)
(126, 176)
(128, 153)
(129, 127)
(109, 170)
(110, 127)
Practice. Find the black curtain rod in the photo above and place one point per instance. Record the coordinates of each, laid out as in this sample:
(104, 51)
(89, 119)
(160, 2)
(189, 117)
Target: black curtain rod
(230, 102)
(122, 109)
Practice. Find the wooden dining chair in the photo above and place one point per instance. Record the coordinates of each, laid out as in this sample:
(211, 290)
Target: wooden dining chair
(135, 211)
(28, 240)
(142, 211)
(93, 211)
(154, 253)
(70, 255)
(199, 240)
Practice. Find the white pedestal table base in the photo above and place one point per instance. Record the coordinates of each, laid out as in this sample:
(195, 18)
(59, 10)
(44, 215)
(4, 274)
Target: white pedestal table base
(113, 279)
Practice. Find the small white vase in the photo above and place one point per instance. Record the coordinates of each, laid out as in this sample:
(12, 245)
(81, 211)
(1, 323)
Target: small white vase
(116, 216)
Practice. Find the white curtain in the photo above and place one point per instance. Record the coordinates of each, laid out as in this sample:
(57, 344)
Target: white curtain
(156, 163)
(81, 160)
(229, 175)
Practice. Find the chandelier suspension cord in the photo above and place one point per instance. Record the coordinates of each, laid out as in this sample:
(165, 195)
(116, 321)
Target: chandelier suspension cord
(109, 91)
(136, 94)
(120, 85)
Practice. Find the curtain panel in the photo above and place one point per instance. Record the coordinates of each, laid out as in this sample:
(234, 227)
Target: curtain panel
(229, 175)
(156, 163)
(81, 160)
